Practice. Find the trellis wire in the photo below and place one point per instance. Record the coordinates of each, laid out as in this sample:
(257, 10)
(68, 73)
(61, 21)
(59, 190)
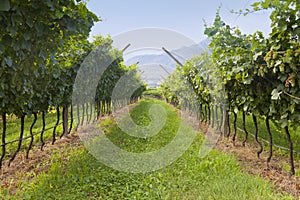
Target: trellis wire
(266, 141)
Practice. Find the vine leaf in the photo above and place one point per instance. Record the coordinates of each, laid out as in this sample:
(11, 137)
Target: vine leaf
(2, 48)
(4, 5)
(275, 95)
(283, 123)
(257, 55)
(8, 61)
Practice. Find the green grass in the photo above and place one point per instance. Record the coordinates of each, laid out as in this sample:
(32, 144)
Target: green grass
(141, 117)
(153, 92)
(78, 175)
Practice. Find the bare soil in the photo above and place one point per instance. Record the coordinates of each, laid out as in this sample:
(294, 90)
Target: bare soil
(23, 169)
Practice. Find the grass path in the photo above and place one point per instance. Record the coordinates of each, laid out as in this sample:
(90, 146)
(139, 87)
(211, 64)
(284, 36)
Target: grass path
(78, 175)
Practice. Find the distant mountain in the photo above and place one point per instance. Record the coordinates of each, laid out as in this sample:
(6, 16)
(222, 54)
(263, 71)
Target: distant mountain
(154, 66)
(192, 51)
(182, 54)
(162, 59)
(153, 74)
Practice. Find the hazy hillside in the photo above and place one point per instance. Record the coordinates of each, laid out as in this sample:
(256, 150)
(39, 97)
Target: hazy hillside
(150, 64)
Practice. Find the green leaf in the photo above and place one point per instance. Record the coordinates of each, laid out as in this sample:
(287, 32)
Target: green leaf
(284, 116)
(257, 55)
(27, 36)
(292, 108)
(29, 22)
(12, 30)
(265, 4)
(275, 95)
(236, 110)
(283, 123)
(278, 62)
(26, 45)
(276, 47)
(2, 48)
(4, 5)
(8, 61)
(50, 4)
(283, 27)
(256, 4)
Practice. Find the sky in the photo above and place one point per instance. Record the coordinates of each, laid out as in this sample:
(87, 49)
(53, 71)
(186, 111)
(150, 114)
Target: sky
(184, 16)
